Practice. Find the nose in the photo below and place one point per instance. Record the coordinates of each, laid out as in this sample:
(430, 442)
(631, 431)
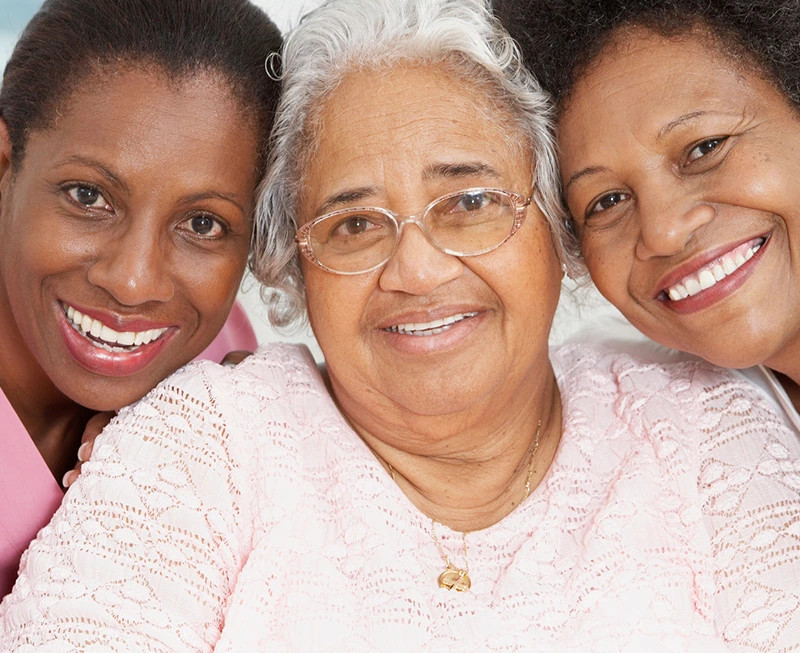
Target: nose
(417, 267)
(666, 227)
(132, 268)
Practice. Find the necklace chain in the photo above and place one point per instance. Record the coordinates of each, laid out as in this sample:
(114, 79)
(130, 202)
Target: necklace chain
(455, 577)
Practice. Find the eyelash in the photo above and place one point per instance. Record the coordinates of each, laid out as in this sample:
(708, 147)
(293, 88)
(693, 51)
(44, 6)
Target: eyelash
(221, 224)
(74, 186)
(718, 142)
(593, 207)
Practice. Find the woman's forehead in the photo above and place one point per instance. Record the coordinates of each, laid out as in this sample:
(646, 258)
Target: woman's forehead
(415, 121)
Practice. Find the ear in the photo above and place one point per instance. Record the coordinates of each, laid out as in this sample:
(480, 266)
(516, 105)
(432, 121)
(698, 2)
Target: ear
(5, 156)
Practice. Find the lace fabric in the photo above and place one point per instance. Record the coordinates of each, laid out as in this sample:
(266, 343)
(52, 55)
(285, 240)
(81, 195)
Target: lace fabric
(236, 510)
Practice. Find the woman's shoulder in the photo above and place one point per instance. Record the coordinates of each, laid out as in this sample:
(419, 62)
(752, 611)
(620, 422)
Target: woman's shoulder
(275, 373)
(643, 368)
(705, 402)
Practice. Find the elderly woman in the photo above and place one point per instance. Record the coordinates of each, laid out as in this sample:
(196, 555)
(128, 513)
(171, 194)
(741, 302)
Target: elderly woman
(129, 155)
(680, 146)
(448, 486)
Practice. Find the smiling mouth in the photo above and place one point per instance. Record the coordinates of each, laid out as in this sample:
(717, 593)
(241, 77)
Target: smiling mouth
(107, 338)
(712, 273)
(429, 328)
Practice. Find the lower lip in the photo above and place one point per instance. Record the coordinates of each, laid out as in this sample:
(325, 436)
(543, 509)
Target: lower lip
(107, 363)
(444, 341)
(720, 290)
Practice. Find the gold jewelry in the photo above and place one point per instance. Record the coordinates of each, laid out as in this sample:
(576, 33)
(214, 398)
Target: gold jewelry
(456, 578)
(452, 578)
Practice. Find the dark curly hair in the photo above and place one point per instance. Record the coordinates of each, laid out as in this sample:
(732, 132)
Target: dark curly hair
(69, 40)
(560, 38)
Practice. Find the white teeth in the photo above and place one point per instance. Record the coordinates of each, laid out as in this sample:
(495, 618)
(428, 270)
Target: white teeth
(109, 335)
(127, 338)
(693, 286)
(728, 265)
(706, 279)
(429, 328)
(713, 272)
(105, 336)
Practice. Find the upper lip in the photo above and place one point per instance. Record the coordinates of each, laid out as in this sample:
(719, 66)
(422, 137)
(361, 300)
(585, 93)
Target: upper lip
(118, 322)
(424, 316)
(694, 264)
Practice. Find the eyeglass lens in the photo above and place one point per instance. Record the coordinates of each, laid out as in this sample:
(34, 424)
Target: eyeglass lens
(463, 224)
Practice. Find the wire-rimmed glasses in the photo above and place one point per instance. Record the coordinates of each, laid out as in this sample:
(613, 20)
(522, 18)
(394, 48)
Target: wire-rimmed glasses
(465, 223)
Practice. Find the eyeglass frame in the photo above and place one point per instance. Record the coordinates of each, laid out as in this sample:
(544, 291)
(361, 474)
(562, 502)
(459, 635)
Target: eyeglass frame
(520, 202)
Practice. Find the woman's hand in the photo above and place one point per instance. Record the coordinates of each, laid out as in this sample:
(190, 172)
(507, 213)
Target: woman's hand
(233, 358)
(93, 428)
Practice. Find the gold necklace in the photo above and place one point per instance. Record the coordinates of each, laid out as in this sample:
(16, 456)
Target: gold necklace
(456, 578)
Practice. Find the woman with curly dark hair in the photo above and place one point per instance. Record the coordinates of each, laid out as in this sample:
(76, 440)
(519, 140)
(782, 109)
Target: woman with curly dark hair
(680, 150)
(679, 134)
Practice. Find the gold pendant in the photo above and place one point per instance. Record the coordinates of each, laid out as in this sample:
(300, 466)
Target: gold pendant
(454, 578)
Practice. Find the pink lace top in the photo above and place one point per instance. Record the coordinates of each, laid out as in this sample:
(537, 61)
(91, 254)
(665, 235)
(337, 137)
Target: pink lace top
(235, 510)
(29, 495)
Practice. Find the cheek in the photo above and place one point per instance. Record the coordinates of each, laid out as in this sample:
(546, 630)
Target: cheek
(531, 279)
(329, 307)
(210, 282)
(608, 266)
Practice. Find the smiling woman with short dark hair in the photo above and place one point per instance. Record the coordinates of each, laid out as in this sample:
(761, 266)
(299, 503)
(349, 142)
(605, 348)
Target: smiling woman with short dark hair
(133, 134)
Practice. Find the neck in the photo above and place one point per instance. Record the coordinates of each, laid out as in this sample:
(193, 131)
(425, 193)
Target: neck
(54, 422)
(469, 473)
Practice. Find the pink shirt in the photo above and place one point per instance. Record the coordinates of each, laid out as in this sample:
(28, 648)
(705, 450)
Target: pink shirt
(236, 510)
(29, 495)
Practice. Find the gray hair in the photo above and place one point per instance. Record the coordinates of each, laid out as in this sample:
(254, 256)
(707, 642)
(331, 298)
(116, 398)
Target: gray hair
(346, 35)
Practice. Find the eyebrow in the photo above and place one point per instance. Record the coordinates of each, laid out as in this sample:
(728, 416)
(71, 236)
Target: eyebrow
(429, 173)
(680, 120)
(458, 170)
(92, 163)
(212, 195)
(346, 197)
(591, 170)
(111, 177)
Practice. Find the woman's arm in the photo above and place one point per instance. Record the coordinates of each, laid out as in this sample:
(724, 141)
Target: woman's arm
(146, 548)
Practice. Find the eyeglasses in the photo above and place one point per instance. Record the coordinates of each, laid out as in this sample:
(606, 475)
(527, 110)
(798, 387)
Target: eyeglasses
(465, 223)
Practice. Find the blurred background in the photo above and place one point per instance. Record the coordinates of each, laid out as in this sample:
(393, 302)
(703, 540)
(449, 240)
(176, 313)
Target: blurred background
(581, 309)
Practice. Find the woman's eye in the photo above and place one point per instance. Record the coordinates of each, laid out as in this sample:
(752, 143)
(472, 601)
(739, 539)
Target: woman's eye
(353, 226)
(706, 147)
(88, 197)
(607, 201)
(205, 226)
(471, 202)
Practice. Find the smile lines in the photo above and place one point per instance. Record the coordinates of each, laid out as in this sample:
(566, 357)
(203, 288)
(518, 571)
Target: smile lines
(106, 337)
(713, 272)
(429, 328)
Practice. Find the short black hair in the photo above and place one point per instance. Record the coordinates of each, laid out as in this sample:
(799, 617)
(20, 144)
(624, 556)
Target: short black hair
(560, 38)
(67, 40)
